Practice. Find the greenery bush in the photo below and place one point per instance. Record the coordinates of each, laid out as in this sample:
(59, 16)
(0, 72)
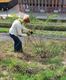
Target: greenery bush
(36, 23)
(45, 50)
(47, 27)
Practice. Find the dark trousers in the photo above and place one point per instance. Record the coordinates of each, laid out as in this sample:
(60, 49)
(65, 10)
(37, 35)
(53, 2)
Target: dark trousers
(17, 43)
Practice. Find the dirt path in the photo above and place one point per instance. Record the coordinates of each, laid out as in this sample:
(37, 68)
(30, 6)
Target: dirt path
(5, 36)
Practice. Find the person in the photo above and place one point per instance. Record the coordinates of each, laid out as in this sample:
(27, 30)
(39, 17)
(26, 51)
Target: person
(16, 30)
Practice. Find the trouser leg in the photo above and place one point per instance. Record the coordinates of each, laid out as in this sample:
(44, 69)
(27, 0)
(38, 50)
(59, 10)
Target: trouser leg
(17, 43)
(18, 46)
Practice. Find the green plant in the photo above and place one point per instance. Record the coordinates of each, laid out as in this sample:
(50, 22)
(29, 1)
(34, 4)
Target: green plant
(4, 30)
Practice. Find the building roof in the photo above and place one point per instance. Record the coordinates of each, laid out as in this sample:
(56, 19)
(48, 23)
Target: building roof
(2, 1)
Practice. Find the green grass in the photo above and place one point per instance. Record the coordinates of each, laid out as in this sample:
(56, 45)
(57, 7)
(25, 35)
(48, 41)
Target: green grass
(2, 30)
(36, 68)
(36, 24)
(51, 33)
(41, 32)
(7, 22)
(17, 70)
(20, 73)
(42, 59)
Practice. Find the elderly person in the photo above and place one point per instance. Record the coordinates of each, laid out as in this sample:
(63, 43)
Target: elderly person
(16, 30)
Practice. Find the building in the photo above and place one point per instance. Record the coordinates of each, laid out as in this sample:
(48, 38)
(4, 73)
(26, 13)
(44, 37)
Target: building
(4, 1)
(56, 6)
(7, 4)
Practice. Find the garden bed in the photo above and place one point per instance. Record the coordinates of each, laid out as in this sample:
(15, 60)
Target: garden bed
(36, 24)
(40, 62)
(44, 33)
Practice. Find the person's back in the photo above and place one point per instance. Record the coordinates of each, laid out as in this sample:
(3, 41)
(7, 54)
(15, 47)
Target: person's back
(13, 29)
(17, 28)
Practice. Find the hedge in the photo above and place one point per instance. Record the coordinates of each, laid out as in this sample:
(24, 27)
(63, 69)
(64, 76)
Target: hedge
(35, 24)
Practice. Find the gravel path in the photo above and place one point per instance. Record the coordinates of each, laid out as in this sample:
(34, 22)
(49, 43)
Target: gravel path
(5, 37)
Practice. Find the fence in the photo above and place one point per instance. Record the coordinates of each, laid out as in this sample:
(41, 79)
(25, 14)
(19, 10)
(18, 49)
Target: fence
(42, 5)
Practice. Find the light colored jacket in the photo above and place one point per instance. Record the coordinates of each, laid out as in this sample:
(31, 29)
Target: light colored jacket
(17, 28)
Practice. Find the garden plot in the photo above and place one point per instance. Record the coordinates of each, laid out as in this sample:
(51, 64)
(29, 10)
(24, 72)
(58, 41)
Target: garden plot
(40, 58)
(44, 57)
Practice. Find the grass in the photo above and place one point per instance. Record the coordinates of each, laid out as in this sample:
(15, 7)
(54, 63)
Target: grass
(20, 67)
(59, 34)
(2, 30)
(36, 24)
(51, 27)
(46, 48)
(41, 60)
(51, 33)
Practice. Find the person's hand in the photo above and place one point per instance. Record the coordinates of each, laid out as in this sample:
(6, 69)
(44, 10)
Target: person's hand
(30, 31)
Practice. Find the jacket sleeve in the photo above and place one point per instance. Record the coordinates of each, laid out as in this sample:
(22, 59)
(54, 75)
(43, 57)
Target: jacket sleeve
(19, 30)
(24, 29)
